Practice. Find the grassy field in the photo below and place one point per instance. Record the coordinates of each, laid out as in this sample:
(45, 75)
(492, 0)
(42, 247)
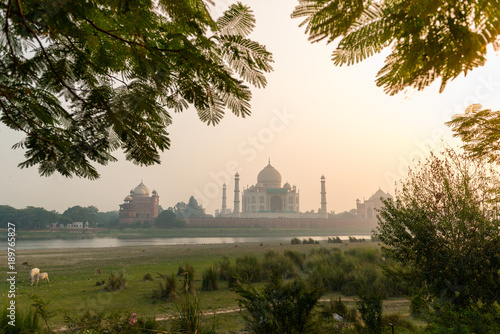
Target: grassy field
(72, 289)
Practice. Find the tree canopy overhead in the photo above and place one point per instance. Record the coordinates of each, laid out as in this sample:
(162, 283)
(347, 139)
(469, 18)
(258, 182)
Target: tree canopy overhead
(428, 39)
(84, 78)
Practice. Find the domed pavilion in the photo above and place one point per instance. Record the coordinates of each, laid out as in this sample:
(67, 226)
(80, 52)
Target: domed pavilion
(138, 206)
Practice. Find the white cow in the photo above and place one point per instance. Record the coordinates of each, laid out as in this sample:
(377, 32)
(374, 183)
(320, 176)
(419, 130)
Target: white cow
(33, 275)
(42, 276)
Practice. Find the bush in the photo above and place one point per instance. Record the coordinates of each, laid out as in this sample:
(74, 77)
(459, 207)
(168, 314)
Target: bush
(26, 321)
(296, 241)
(334, 240)
(187, 271)
(102, 322)
(147, 277)
(401, 325)
(338, 306)
(224, 268)
(115, 282)
(370, 309)
(280, 307)
(277, 264)
(248, 268)
(210, 282)
(309, 241)
(296, 257)
(189, 317)
(167, 290)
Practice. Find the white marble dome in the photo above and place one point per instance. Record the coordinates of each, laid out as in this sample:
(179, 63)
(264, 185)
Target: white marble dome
(269, 177)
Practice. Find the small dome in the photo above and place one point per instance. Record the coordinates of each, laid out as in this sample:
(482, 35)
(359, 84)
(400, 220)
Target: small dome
(287, 186)
(141, 190)
(269, 177)
(128, 198)
(379, 194)
(259, 185)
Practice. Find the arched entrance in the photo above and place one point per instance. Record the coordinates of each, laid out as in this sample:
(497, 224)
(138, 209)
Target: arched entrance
(276, 203)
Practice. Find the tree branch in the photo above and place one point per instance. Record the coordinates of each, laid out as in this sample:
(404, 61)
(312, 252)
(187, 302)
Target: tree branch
(127, 41)
(61, 80)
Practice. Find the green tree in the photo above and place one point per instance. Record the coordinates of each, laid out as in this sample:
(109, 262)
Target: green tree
(280, 307)
(167, 219)
(428, 39)
(82, 214)
(444, 229)
(82, 79)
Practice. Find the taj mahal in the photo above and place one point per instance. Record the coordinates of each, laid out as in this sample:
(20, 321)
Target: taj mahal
(269, 199)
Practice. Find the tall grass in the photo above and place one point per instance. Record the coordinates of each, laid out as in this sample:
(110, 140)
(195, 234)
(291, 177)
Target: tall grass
(168, 289)
(210, 281)
(26, 321)
(115, 282)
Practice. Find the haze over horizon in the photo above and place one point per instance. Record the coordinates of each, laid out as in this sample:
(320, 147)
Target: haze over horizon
(312, 119)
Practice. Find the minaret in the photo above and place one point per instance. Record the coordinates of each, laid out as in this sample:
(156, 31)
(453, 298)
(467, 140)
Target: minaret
(236, 193)
(323, 195)
(224, 208)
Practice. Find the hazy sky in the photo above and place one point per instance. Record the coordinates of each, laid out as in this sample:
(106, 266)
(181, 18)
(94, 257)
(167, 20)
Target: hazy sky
(312, 119)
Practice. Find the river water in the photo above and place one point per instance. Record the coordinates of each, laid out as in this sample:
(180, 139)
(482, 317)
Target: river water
(117, 242)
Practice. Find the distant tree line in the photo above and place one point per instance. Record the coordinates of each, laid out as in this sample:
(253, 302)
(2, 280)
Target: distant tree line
(40, 218)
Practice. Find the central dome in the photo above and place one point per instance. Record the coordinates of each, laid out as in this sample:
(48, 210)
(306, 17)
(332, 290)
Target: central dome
(141, 190)
(269, 177)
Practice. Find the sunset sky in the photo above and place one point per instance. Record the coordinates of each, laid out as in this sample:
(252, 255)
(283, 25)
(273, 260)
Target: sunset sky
(312, 119)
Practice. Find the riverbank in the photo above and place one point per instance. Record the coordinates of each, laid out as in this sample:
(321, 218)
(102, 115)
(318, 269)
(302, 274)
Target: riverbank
(72, 290)
(189, 232)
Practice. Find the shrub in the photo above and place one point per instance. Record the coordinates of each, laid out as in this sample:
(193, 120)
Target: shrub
(296, 241)
(189, 317)
(102, 322)
(399, 323)
(338, 306)
(147, 277)
(167, 290)
(26, 321)
(210, 282)
(277, 264)
(296, 257)
(334, 240)
(370, 308)
(115, 282)
(418, 305)
(187, 271)
(224, 268)
(309, 241)
(249, 268)
(280, 307)
(365, 254)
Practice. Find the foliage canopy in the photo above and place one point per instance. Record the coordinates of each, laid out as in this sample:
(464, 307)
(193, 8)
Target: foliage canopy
(444, 228)
(479, 130)
(83, 78)
(427, 39)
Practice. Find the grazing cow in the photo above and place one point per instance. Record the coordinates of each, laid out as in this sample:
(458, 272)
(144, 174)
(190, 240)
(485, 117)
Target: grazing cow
(42, 276)
(97, 272)
(33, 275)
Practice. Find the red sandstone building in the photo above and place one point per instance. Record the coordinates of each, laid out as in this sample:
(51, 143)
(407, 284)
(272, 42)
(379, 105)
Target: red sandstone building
(139, 206)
